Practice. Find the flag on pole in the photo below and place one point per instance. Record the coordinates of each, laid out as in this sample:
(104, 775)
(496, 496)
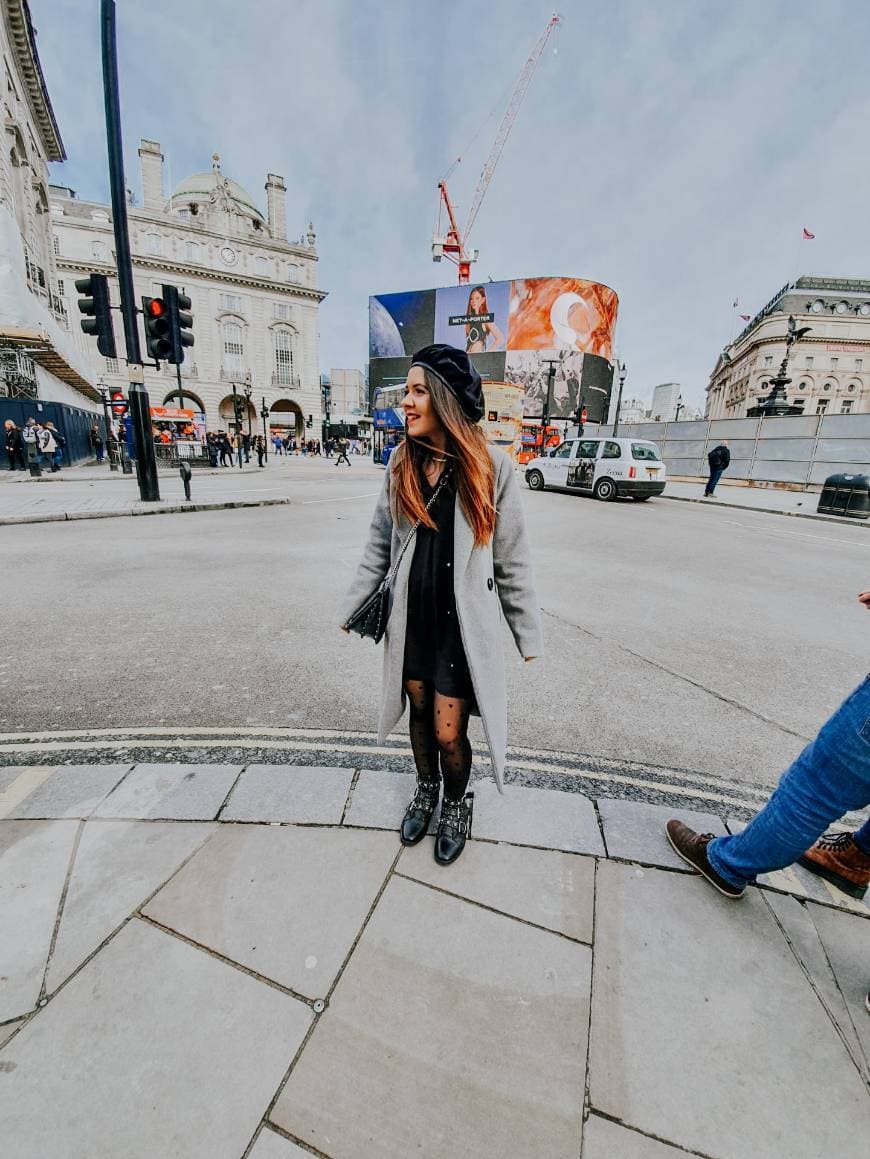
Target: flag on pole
(807, 235)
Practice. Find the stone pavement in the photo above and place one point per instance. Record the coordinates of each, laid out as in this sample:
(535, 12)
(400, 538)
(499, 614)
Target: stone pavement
(225, 961)
(771, 500)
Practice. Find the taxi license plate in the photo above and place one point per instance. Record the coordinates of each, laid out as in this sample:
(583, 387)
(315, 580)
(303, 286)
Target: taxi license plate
(652, 472)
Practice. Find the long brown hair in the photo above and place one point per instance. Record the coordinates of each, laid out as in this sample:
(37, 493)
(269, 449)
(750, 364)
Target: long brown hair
(467, 457)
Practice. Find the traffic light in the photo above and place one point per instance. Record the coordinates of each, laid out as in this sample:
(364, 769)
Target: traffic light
(95, 304)
(180, 322)
(156, 329)
(238, 407)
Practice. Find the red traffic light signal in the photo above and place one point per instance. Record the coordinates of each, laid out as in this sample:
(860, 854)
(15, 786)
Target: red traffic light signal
(157, 329)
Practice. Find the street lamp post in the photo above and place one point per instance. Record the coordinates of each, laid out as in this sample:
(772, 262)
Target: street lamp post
(111, 445)
(545, 406)
(249, 390)
(264, 414)
(622, 376)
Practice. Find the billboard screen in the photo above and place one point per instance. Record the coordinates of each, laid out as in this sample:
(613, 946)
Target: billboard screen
(514, 331)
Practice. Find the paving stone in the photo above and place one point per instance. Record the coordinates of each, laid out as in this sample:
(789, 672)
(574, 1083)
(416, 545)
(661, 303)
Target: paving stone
(171, 793)
(18, 783)
(118, 865)
(8, 774)
(796, 920)
(540, 817)
(287, 902)
(294, 793)
(552, 889)
(70, 791)
(448, 1023)
(846, 940)
(155, 1049)
(636, 831)
(34, 860)
(271, 1145)
(677, 968)
(379, 800)
(603, 1139)
(8, 1030)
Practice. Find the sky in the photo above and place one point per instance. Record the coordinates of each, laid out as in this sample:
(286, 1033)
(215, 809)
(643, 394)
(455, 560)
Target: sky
(672, 151)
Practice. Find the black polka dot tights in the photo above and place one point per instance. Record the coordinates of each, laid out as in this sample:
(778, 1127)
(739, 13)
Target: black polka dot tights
(439, 734)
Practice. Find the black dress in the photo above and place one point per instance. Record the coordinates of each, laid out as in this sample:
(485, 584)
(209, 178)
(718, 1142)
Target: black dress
(433, 642)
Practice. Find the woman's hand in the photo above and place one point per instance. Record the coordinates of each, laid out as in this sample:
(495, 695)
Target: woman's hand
(345, 630)
(528, 659)
(864, 598)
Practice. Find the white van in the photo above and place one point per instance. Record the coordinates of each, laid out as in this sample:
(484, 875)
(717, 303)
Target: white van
(601, 467)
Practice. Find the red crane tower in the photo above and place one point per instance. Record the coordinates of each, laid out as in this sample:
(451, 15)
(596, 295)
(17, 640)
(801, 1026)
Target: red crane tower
(453, 244)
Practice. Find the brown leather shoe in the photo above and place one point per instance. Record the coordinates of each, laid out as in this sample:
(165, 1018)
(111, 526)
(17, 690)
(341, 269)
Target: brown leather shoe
(692, 847)
(837, 859)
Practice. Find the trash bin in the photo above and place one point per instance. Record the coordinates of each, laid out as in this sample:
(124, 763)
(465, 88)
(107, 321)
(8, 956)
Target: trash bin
(847, 495)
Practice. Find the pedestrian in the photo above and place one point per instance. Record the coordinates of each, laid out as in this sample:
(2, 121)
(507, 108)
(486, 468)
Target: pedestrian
(720, 460)
(97, 443)
(342, 452)
(47, 445)
(212, 448)
(260, 446)
(831, 777)
(226, 450)
(60, 444)
(455, 500)
(246, 444)
(15, 447)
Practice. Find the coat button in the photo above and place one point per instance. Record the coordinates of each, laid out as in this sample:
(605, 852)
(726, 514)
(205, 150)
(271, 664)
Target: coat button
(489, 584)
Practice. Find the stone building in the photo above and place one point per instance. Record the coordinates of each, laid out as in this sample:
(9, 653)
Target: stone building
(42, 374)
(666, 402)
(829, 368)
(254, 294)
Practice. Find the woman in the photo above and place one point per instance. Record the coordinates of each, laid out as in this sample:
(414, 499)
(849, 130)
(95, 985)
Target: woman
(480, 335)
(260, 445)
(469, 563)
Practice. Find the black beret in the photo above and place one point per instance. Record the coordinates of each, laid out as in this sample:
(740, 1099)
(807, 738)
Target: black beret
(458, 373)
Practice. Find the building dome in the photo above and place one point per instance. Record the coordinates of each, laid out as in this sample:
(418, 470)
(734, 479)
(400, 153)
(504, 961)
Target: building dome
(216, 186)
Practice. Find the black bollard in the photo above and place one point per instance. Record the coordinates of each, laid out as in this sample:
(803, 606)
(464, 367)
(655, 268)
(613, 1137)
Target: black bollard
(184, 472)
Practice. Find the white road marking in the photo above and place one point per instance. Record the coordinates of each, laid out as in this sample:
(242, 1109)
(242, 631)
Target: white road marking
(339, 498)
(799, 534)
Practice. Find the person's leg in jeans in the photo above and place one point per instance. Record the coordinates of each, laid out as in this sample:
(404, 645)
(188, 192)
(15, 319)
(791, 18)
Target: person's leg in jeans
(829, 778)
(715, 476)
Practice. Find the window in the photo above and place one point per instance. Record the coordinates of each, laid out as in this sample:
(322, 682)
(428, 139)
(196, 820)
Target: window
(293, 274)
(821, 406)
(281, 310)
(99, 251)
(846, 406)
(233, 347)
(808, 362)
(803, 385)
(859, 363)
(828, 386)
(283, 357)
(56, 244)
(191, 251)
(153, 243)
(611, 451)
(563, 451)
(768, 360)
(834, 363)
(587, 448)
(645, 451)
(231, 302)
(261, 265)
(61, 291)
(852, 387)
(112, 366)
(184, 213)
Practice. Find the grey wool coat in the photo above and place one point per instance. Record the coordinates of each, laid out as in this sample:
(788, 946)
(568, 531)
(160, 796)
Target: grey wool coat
(489, 582)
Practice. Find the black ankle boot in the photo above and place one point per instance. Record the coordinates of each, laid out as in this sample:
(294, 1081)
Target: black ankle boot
(415, 823)
(454, 828)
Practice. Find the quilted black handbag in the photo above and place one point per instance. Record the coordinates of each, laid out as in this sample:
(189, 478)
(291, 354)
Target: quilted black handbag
(370, 618)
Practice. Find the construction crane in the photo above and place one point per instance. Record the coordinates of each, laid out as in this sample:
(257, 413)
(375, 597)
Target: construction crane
(454, 244)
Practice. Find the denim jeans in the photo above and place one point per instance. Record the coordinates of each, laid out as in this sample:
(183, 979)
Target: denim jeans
(715, 476)
(829, 778)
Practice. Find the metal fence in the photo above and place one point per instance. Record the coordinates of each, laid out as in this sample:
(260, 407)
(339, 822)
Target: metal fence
(794, 451)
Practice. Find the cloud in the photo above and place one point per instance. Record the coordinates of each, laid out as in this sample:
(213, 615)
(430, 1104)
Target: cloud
(673, 152)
